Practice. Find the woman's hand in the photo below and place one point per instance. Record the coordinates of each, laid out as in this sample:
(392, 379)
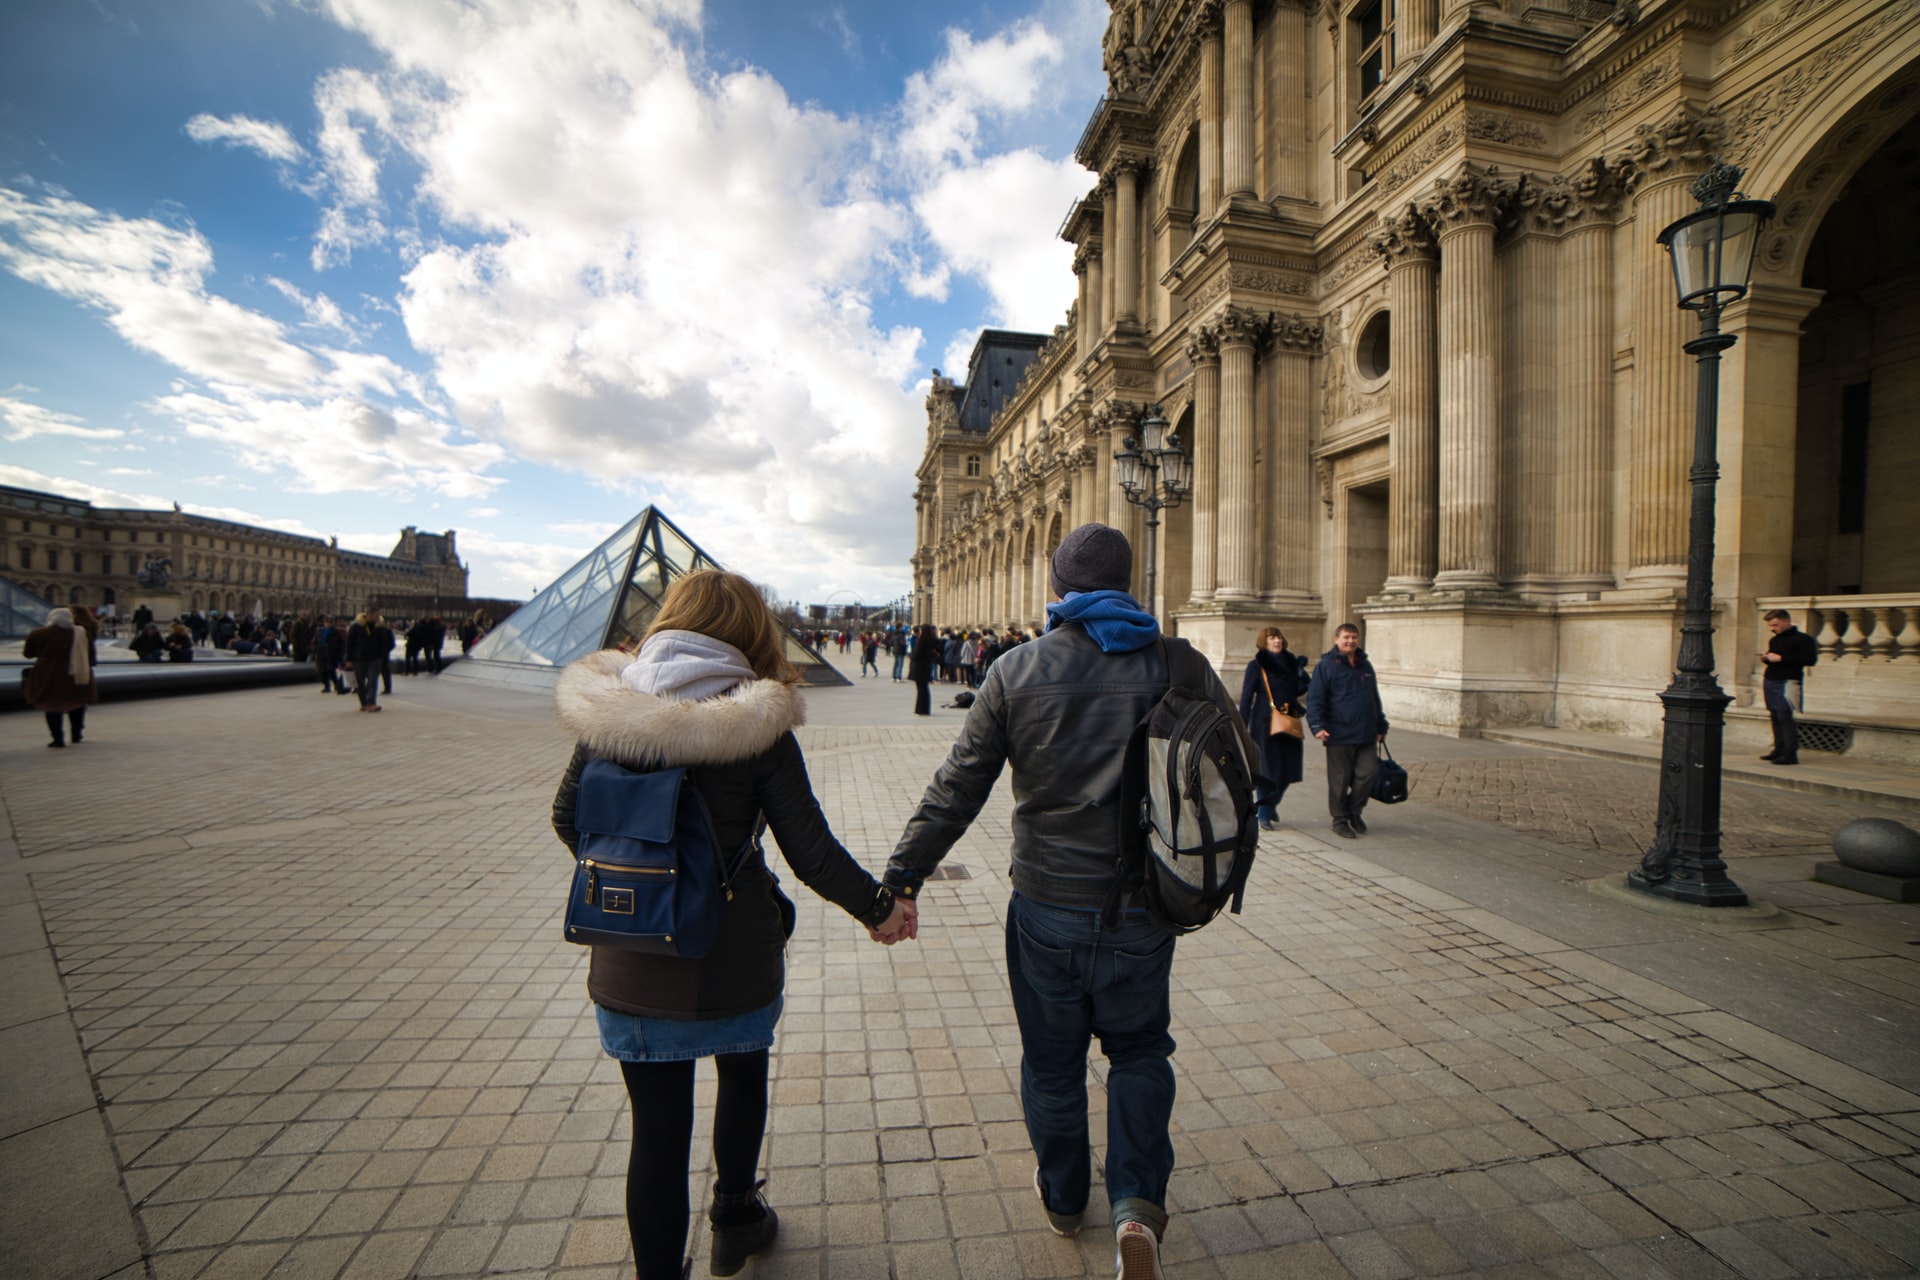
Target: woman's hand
(902, 923)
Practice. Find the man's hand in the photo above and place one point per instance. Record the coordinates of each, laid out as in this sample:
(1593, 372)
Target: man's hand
(1323, 735)
(902, 924)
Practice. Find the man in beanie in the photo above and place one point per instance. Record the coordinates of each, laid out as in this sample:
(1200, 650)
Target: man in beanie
(1060, 710)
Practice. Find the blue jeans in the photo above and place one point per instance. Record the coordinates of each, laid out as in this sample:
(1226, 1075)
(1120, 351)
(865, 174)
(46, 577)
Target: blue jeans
(899, 661)
(1071, 981)
(1779, 699)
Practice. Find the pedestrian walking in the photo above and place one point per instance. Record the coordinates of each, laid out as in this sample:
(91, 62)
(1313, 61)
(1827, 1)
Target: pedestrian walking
(1061, 711)
(897, 649)
(1344, 713)
(61, 682)
(1788, 655)
(1273, 680)
(368, 644)
(869, 654)
(710, 689)
(923, 667)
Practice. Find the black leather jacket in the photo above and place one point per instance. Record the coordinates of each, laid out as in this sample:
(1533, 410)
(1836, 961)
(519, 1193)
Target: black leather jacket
(1060, 711)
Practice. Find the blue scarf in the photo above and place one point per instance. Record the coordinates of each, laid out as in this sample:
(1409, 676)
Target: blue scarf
(1114, 619)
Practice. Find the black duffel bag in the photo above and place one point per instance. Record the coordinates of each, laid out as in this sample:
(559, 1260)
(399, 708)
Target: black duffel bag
(1390, 783)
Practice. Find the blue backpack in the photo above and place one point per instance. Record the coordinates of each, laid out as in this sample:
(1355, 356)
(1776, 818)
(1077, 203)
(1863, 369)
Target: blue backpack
(648, 875)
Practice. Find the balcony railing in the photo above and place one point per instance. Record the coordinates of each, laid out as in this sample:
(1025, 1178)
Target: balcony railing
(1877, 628)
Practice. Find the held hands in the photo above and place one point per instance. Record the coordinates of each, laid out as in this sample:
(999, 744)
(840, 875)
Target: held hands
(902, 924)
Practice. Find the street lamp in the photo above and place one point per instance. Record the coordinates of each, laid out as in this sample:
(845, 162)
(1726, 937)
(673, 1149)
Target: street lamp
(1712, 255)
(1155, 473)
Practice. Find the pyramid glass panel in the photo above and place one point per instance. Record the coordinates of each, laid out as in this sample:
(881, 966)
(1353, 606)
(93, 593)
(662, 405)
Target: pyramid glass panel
(20, 610)
(610, 598)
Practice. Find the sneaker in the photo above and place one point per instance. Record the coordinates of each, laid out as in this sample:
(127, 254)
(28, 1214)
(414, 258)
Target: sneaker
(1136, 1252)
(1061, 1224)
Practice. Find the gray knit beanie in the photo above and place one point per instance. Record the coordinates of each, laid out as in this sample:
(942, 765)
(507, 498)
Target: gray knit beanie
(1093, 557)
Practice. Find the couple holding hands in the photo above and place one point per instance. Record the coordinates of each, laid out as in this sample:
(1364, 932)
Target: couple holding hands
(711, 689)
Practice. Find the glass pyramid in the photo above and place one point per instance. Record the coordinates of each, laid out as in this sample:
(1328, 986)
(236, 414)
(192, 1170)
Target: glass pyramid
(609, 599)
(20, 611)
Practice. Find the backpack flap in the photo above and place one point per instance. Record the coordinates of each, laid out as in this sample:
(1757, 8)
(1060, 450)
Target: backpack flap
(647, 876)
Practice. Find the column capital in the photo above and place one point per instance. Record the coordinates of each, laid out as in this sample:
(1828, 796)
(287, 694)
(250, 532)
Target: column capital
(1473, 195)
(1402, 237)
(1680, 146)
(1297, 333)
(1125, 166)
(1203, 346)
(1238, 326)
(1590, 196)
(1209, 21)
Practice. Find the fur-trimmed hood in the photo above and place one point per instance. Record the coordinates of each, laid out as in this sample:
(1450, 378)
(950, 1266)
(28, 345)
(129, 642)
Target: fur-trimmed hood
(610, 719)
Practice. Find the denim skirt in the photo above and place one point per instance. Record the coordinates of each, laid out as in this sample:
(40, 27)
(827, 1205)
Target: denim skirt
(631, 1038)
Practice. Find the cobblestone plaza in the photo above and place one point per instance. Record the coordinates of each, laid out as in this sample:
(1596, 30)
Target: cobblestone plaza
(285, 995)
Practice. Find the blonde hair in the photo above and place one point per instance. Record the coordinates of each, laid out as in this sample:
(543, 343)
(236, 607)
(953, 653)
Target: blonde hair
(728, 608)
(1266, 634)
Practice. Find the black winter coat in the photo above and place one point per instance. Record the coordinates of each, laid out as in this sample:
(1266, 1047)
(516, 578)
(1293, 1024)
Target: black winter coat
(1280, 754)
(747, 765)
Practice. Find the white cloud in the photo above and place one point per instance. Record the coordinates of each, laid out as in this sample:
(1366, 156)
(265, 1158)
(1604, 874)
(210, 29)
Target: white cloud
(946, 107)
(994, 221)
(322, 312)
(269, 139)
(100, 496)
(25, 420)
(349, 101)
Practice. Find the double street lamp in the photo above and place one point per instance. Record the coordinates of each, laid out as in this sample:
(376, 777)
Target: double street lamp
(1155, 473)
(1712, 253)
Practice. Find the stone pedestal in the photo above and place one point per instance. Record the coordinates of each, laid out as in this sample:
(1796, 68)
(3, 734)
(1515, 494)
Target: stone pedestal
(1225, 630)
(1460, 662)
(166, 605)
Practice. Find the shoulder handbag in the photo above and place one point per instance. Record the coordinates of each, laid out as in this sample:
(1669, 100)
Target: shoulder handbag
(1280, 721)
(648, 874)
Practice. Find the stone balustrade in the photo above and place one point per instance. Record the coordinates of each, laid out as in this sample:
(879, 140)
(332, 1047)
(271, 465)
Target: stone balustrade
(1876, 628)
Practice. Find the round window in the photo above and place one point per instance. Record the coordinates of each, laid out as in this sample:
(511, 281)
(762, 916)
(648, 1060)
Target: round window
(1373, 353)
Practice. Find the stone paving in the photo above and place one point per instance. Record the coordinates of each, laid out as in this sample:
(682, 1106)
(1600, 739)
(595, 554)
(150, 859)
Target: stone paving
(285, 996)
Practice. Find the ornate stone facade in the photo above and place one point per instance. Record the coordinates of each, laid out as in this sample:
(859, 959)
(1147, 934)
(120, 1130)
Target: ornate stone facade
(71, 552)
(1391, 268)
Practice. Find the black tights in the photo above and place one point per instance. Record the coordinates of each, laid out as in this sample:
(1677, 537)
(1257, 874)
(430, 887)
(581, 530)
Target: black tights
(662, 1094)
(76, 717)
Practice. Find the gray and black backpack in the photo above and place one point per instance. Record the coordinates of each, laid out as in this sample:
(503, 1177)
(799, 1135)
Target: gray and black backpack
(1188, 822)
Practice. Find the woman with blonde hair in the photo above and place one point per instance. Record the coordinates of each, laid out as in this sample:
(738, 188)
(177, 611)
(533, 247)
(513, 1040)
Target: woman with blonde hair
(710, 689)
(1273, 679)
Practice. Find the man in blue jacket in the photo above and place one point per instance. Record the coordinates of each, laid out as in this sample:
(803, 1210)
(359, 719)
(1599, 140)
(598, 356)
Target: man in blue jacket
(1343, 711)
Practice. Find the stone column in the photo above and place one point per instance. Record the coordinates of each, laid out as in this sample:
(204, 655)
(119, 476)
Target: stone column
(1126, 266)
(1414, 449)
(1530, 357)
(1016, 569)
(1207, 26)
(1583, 467)
(1658, 165)
(1109, 255)
(1463, 210)
(1204, 351)
(1041, 589)
(1238, 333)
(1087, 334)
(1096, 293)
(1237, 144)
(1122, 421)
(1419, 20)
(1296, 339)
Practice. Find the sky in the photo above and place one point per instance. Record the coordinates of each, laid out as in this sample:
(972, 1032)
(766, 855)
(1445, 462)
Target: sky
(518, 268)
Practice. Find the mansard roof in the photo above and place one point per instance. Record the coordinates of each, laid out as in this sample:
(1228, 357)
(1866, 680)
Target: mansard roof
(994, 370)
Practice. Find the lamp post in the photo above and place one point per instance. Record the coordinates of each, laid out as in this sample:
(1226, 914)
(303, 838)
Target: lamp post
(1712, 255)
(1155, 473)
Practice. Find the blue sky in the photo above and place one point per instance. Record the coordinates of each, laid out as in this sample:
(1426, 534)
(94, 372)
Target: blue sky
(519, 268)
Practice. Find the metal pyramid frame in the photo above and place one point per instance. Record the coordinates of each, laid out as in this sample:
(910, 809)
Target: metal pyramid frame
(20, 611)
(610, 597)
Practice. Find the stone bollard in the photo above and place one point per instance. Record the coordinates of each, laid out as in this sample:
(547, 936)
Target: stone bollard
(1877, 856)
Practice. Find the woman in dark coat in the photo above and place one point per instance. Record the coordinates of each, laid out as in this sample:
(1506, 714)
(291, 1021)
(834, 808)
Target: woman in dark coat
(1274, 668)
(923, 667)
(711, 690)
(61, 683)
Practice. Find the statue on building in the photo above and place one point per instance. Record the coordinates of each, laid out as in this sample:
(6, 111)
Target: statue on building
(157, 572)
(1128, 65)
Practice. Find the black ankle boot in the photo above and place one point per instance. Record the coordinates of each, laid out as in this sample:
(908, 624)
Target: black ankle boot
(743, 1225)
